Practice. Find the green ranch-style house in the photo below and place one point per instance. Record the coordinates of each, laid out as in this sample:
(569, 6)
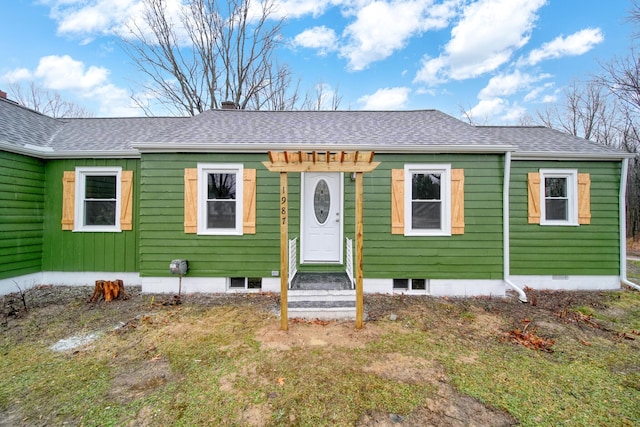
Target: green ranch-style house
(446, 208)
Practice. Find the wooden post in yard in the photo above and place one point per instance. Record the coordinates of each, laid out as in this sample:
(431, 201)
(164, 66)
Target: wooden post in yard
(284, 251)
(359, 247)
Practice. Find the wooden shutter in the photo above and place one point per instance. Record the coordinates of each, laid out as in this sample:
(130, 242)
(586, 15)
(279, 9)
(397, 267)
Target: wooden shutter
(534, 197)
(249, 202)
(584, 198)
(68, 199)
(126, 202)
(191, 200)
(397, 201)
(457, 201)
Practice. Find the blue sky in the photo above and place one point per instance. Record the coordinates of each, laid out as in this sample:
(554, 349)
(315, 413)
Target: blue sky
(497, 59)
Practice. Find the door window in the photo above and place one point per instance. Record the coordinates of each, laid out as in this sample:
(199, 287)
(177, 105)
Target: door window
(321, 201)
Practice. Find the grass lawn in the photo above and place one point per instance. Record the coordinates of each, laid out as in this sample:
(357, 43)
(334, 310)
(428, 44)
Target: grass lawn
(571, 359)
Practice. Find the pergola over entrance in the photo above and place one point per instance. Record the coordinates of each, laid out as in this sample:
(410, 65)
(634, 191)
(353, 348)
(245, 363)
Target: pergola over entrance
(338, 161)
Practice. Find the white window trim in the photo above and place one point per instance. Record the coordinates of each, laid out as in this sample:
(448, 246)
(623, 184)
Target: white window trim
(445, 193)
(203, 170)
(81, 173)
(572, 196)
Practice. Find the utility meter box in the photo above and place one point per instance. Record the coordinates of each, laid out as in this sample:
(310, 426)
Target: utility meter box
(179, 266)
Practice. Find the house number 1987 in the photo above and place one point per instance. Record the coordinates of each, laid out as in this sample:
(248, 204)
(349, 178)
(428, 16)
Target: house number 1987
(283, 205)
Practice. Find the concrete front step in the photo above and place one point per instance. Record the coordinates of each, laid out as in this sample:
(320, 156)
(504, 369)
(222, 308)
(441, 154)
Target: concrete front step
(321, 281)
(321, 304)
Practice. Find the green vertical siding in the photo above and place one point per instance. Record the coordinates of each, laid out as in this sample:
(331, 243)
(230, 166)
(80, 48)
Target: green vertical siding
(88, 251)
(477, 254)
(592, 249)
(21, 214)
(162, 217)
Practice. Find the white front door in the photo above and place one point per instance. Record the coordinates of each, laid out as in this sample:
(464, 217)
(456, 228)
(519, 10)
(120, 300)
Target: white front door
(321, 221)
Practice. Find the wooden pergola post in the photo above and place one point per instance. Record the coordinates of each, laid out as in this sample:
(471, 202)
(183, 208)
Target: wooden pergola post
(359, 248)
(298, 161)
(284, 253)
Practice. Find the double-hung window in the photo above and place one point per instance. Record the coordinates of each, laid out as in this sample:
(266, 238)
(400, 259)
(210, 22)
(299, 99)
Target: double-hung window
(97, 207)
(428, 193)
(220, 195)
(558, 197)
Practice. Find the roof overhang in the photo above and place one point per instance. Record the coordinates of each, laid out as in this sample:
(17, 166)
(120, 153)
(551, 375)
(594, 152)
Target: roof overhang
(47, 153)
(571, 156)
(163, 147)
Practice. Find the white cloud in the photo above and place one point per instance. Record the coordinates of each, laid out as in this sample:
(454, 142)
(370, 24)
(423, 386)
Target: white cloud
(321, 38)
(508, 84)
(513, 114)
(487, 108)
(432, 71)
(297, 8)
(572, 45)
(386, 99)
(64, 72)
(535, 93)
(77, 82)
(383, 27)
(113, 101)
(485, 38)
(91, 17)
(496, 110)
(17, 75)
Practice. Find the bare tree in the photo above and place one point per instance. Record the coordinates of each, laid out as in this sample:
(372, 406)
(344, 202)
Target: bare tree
(622, 77)
(591, 111)
(46, 101)
(210, 53)
(322, 98)
(586, 111)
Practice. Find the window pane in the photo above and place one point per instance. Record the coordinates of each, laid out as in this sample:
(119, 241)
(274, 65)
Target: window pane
(237, 282)
(221, 186)
(99, 213)
(321, 201)
(254, 283)
(425, 186)
(221, 214)
(100, 187)
(425, 215)
(556, 209)
(400, 283)
(418, 284)
(555, 187)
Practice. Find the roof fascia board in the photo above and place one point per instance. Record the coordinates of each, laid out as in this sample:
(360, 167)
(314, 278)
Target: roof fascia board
(263, 148)
(46, 153)
(571, 156)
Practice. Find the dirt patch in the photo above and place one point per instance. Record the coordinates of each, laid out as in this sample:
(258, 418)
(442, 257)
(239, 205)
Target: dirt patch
(310, 334)
(447, 408)
(141, 380)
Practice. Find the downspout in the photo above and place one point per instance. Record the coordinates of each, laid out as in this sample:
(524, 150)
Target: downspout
(623, 226)
(506, 228)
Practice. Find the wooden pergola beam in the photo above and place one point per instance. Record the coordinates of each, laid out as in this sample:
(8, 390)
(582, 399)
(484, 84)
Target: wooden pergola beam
(341, 161)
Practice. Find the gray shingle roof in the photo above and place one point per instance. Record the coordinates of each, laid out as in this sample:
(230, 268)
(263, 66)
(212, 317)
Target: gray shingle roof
(379, 130)
(539, 139)
(21, 126)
